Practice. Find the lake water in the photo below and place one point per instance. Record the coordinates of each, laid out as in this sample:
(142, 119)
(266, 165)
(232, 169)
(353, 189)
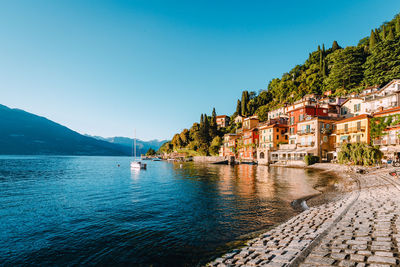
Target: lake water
(89, 210)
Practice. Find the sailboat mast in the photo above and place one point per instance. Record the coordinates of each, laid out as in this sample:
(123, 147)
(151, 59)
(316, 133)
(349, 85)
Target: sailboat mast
(134, 141)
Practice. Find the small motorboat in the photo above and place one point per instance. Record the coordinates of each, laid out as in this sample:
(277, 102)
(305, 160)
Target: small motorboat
(156, 159)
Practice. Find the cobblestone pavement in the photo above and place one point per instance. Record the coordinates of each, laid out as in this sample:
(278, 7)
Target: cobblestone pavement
(360, 229)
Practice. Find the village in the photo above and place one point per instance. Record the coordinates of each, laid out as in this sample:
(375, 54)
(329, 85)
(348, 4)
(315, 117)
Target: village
(316, 125)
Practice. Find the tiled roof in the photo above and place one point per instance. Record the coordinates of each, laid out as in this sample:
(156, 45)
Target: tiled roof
(359, 117)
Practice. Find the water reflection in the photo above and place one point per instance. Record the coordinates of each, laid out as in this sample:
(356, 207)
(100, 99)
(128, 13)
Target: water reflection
(77, 210)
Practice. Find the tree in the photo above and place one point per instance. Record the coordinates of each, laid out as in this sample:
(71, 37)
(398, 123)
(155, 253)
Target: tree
(262, 113)
(245, 99)
(150, 152)
(397, 25)
(372, 40)
(383, 32)
(391, 34)
(213, 124)
(377, 36)
(335, 46)
(383, 65)
(185, 137)
(238, 108)
(346, 69)
(215, 145)
(176, 141)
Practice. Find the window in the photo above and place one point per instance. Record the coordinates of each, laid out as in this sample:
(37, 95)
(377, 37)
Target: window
(277, 130)
(358, 125)
(285, 137)
(358, 138)
(277, 137)
(346, 127)
(325, 138)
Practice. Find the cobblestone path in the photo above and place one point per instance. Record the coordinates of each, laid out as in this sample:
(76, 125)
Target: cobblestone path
(360, 229)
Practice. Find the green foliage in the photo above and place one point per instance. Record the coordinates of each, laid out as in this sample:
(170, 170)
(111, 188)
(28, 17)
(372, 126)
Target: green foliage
(262, 113)
(397, 25)
(310, 159)
(383, 65)
(379, 124)
(372, 40)
(390, 35)
(215, 145)
(346, 69)
(245, 99)
(359, 154)
(151, 152)
(238, 108)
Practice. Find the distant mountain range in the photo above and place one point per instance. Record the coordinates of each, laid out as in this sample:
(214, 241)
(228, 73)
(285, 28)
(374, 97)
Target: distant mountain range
(141, 146)
(24, 133)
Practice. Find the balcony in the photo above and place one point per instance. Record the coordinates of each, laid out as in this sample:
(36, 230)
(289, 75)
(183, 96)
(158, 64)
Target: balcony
(308, 144)
(304, 132)
(287, 146)
(386, 142)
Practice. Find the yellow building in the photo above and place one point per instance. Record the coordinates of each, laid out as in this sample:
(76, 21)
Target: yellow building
(272, 135)
(353, 130)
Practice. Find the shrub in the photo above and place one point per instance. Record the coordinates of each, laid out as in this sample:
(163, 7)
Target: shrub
(359, 154)
(310, 159)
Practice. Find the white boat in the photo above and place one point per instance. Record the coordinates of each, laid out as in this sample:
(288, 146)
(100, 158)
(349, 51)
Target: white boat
(156, 159)
(137, 165)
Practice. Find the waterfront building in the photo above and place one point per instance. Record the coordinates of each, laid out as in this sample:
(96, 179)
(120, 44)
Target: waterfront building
(389, 142)
(385, 98)
(222, 121)
(270, 137)
(229, 144)
(353, 130)
(333, 105)
(352, 107)
(247, 145)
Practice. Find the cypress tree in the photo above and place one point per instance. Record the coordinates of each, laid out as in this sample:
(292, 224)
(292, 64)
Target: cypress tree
(372, 40)
(383, 32)
(320, 60)
(206, 129)
(335, 46)
(323, 49)
(214, 118)
(319, 48)
(201, 120)
(238, 106)
(390, 35)
(245, 99)
(377, 37)
(324, 74)
(397, 24)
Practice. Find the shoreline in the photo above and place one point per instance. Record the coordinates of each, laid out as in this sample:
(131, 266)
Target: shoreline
(326, 195)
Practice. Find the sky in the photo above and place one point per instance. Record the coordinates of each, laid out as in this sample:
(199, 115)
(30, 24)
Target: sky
(108, 67)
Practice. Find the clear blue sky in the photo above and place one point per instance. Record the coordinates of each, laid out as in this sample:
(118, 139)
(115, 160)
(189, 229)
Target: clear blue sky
(107, 67)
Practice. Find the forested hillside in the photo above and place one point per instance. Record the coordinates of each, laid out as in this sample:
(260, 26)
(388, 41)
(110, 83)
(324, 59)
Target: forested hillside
(375, 60)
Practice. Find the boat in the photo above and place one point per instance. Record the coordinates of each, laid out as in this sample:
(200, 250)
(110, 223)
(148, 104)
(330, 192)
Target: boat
(137, 165)
(156, 159)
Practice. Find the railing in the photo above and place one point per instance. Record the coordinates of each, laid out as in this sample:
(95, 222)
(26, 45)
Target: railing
(287, 146)
(306, 144)
(302, 132)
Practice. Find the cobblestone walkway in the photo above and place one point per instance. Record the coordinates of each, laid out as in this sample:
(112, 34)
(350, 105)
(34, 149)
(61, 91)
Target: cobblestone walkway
(360, 229)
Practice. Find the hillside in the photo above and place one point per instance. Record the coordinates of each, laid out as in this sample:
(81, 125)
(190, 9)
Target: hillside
(23, 133)
(375, 60)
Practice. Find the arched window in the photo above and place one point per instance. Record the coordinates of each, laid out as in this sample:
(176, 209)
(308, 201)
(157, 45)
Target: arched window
(261, 155)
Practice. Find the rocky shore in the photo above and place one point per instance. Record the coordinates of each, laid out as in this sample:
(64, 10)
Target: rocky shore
(358, 227)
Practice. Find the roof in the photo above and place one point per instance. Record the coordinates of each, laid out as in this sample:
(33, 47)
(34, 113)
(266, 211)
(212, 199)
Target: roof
(272, 125)
(221, 116)
(388, 84)
(387, 111)
(350, 98)
(320, 118)
(359, 117)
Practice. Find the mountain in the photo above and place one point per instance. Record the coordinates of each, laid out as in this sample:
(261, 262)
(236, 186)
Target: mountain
(23, 133)
(141, 146)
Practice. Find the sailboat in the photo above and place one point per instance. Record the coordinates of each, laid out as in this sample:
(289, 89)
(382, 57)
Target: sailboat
(137, 165)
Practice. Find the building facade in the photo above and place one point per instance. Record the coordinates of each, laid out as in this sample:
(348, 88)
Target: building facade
(353, 130)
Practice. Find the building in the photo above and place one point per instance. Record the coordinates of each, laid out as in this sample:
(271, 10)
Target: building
(389, 142)
(385, 98)
(247, 147)
(270, 137)
(250, 122)
(301, 112)
(315, 134)
(352, 107)
(353, 130)
(222, 121)
(229, 144)
(276, 113)
(238, 119)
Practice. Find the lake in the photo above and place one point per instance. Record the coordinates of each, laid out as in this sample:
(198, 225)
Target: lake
(95, 210)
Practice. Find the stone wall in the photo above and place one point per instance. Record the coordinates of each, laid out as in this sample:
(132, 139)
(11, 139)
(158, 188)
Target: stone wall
(208, 159)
